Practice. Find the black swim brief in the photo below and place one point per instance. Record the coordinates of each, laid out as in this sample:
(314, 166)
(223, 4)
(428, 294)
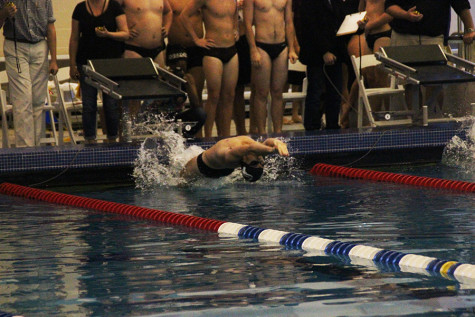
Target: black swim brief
(222, 53)
(371, 38)
(211, 172)
(273, 50)
(145, 52)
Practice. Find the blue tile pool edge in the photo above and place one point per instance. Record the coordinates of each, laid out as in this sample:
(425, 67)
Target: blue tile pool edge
(30, 160)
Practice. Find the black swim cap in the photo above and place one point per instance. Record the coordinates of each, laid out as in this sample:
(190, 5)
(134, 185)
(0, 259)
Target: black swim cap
(251, 172)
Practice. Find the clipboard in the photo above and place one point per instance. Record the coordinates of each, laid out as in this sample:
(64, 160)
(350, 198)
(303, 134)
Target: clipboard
(350, 23)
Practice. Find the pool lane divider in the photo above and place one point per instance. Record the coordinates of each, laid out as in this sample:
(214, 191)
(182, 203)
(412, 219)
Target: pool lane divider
(359, 254)
(357, 173)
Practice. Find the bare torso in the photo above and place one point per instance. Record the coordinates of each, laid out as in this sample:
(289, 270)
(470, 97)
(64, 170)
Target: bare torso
(178, 33)
(221, 155)
(146, 17)
(374, 10)
(269, 19)
(231, 152)
(241, 26)
(220, 18)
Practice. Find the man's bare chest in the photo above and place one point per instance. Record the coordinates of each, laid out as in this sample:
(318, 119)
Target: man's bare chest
(221, 8)
(269, 5)
(139, 7)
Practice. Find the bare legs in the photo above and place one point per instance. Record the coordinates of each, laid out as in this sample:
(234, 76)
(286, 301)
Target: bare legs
(270, 76)
(221, 83)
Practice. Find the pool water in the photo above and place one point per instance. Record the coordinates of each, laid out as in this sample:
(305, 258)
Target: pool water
(66, 261)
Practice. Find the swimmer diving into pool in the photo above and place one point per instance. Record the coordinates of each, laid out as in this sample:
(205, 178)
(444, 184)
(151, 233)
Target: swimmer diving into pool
(226, 155)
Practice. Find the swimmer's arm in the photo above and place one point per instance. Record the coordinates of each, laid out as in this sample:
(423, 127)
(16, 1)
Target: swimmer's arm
(167, 17)
(190, 10)
(248, 14)
(238, 152)
(236, 23)
(268, 147)
(290, 32)
(190, 172)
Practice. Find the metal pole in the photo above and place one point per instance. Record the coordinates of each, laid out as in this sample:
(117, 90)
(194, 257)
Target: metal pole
(425, 116)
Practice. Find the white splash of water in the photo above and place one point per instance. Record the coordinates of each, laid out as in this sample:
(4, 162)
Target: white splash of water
(461, 153)
(160, 160)
(162, 157)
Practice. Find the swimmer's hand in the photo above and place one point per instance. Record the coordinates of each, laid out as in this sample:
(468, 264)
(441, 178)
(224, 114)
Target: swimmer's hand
(133, 33)
(205, 43)
(413, 15)
(279, 146)
(293, 57)
(255, 57)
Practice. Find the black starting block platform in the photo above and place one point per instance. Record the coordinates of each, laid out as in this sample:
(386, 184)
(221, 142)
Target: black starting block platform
(141, 79)
(426, 65)
(133, 78)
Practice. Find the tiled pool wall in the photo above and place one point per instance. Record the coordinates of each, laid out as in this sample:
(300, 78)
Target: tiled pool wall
(108, 163)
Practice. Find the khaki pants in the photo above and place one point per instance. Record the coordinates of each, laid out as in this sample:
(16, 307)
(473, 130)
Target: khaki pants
(399, 39)
(27, 88)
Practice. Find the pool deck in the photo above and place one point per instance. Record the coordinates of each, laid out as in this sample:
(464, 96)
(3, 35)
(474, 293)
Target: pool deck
(113, 163)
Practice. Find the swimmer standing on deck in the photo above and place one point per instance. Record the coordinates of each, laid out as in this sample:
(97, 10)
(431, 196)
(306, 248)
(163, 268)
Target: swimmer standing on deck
(226, 155)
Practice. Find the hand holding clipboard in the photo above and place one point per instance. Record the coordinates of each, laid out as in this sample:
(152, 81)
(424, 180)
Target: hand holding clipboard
(350, 24)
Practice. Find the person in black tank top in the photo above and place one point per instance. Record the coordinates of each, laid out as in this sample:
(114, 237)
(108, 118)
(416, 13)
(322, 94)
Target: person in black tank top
(99, 28)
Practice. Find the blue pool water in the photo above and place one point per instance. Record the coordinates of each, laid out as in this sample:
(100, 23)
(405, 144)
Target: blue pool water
(66, 261)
